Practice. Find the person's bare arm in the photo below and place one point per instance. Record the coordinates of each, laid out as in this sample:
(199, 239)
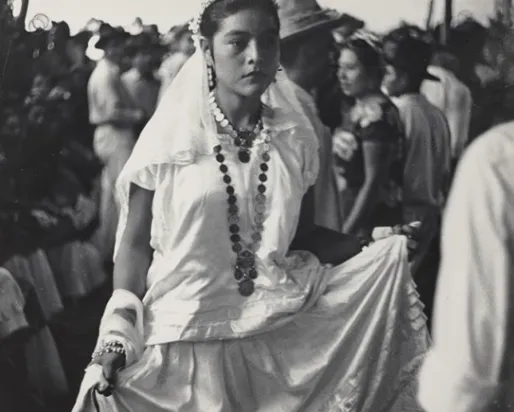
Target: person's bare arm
(329, 246)
(135, 253)
(131, 265)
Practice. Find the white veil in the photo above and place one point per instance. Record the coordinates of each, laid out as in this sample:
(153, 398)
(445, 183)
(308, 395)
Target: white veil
(183, 128)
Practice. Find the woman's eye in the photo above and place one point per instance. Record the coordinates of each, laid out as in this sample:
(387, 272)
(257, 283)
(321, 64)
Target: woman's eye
(237, 43)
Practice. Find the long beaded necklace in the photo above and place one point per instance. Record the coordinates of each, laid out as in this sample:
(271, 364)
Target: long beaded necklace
(243, 139)
(245, 271)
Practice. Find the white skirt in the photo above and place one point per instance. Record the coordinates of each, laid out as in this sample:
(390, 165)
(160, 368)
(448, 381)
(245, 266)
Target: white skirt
(357, 349)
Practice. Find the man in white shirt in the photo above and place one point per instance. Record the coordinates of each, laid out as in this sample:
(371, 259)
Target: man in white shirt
(454, 99)
(115, 119)
(470, 367)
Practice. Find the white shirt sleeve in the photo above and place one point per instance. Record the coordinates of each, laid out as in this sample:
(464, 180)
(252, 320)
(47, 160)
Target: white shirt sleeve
(462, 370)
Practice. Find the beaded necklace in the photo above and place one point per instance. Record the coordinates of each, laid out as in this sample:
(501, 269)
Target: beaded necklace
(245, 271)
(243, 139)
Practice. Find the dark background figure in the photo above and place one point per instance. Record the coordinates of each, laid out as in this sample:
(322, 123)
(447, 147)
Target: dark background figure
(466, 42)
(427, 168)
(140, 81)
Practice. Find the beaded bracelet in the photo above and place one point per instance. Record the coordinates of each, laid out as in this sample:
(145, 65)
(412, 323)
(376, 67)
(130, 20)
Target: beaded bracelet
(109, 347)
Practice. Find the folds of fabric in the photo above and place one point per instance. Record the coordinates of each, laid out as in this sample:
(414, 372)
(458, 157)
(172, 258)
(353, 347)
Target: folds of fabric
(36, 270)
(357, 348)
(12, 303)
(45, 369)
(123, 322)
(77, 267)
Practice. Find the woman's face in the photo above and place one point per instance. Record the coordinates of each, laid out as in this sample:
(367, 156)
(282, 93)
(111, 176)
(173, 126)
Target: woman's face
(353, 77)
(394, 82)
(245, 51)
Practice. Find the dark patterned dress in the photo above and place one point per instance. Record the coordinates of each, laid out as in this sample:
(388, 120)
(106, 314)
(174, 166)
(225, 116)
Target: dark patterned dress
(376, 122)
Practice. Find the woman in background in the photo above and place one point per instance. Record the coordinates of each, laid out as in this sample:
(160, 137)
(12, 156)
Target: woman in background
(369, 144)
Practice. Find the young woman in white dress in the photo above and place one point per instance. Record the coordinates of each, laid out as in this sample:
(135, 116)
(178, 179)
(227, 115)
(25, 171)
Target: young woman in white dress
(213, 309)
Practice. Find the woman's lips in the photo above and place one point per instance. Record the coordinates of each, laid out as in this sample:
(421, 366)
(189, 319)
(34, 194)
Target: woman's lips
(255, 75)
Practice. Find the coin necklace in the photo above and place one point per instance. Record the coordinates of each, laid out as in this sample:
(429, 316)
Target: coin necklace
(243, 139)
(245, 271)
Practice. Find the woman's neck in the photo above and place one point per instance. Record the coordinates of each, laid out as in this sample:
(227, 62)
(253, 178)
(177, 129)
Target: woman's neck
(242, 112)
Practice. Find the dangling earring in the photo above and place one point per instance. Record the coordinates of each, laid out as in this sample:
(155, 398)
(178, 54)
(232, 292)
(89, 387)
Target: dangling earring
(279, 69)
(210, 76)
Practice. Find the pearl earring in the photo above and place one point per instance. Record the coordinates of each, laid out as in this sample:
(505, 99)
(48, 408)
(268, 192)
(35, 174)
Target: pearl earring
(210, 76)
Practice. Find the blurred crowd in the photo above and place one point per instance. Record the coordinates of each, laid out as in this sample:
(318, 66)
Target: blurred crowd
(59, 111)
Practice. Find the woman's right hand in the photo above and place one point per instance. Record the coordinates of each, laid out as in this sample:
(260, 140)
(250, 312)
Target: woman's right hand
(344, 144)
(111, 364)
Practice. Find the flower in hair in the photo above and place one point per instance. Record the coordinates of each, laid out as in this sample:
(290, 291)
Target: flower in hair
(194, 24)
(368, 37)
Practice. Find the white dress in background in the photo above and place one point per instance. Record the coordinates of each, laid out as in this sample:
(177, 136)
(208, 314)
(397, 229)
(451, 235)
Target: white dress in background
(311, 338)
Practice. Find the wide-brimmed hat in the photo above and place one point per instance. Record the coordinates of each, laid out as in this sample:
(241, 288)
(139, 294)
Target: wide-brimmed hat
(298, 17)
(409, 53)
(113, 37)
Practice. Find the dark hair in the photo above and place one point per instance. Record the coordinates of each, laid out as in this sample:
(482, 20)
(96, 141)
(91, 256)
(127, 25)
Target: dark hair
(410, 49)
(369, 56)
(221, 9)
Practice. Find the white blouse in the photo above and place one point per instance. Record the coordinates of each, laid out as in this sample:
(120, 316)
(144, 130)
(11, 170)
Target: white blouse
(191, 290)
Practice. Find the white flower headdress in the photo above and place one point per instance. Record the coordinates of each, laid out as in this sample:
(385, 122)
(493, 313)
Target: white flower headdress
(369, 38)
(194, 24)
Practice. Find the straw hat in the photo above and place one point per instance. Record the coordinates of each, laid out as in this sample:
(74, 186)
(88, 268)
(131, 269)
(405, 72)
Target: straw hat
(298, 17)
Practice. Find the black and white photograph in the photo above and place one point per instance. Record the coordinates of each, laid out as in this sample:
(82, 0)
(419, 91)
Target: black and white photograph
(256, 206)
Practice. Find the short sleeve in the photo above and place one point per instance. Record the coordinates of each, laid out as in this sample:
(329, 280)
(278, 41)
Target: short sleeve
(146, 178)
(384, 130)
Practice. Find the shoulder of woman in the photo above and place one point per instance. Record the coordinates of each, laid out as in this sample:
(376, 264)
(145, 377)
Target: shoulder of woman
(373, 111)
(383, 123)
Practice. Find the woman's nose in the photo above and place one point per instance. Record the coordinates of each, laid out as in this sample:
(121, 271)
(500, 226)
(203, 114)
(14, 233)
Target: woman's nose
(253, 52)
